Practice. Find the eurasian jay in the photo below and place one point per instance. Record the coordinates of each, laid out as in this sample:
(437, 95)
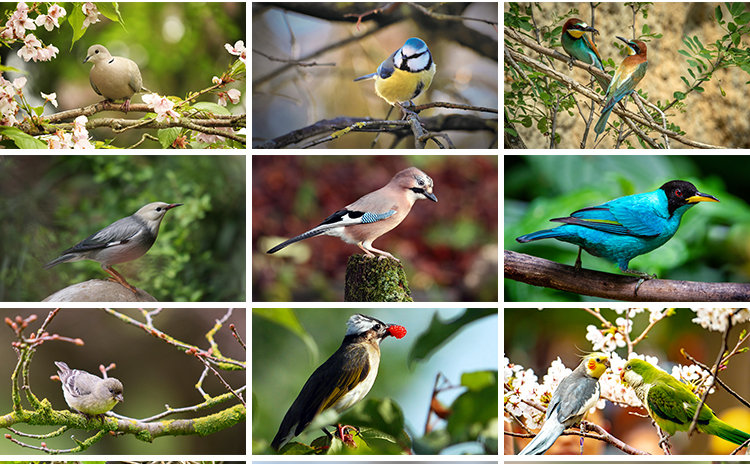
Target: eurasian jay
(374, 214)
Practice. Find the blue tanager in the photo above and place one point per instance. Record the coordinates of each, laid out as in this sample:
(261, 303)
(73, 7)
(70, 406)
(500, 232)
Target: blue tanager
(623, 228)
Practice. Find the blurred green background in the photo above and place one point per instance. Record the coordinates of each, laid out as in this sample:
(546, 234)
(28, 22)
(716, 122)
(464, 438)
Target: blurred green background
(283, 360)
(152, 372)
(448, 249)
(50, 203)
(178, 47)
(711, 245)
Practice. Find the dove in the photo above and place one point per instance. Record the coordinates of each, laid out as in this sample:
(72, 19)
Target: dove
(114, 77)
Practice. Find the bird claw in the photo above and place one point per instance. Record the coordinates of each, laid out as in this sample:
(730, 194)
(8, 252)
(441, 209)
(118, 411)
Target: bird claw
(346, 437)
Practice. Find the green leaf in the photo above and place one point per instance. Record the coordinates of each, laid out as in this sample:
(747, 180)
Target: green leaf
(744, 18)
(211, 107)
(718, 13)
(700, 45)
(474, 412)
(167, 136)
(440, 332)
(678, 96)
(110, 10)
(737, 8)
(288, 319)
(76, 23)
(22, 139)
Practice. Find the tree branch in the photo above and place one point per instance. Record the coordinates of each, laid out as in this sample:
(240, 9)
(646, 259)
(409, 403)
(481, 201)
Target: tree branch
(544, 273)
(585, 91)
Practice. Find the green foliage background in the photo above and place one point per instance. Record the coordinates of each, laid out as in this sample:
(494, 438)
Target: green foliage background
(50, 203)
(280, 368)
(711, 244)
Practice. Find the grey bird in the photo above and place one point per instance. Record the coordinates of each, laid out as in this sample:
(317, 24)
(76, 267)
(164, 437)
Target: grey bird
(122, 241)
(571, 400)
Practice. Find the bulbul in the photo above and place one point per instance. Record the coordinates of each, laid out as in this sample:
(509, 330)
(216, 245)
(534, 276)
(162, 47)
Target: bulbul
(572, 399)
(343, 380)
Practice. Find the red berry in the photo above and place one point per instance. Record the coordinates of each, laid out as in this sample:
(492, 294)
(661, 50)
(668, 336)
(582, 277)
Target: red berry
(397, 331)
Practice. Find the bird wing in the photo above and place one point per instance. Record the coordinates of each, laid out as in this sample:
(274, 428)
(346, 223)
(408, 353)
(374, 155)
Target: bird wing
(331, 381)
(675, 404)
(387, 67)
(634, 215)
(117, 233)
(574, 398)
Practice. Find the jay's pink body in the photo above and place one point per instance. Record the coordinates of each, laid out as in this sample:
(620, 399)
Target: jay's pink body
(374, 214)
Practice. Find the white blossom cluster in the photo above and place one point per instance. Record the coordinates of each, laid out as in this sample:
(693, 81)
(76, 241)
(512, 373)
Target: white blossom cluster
(715, 319)
(525, 387)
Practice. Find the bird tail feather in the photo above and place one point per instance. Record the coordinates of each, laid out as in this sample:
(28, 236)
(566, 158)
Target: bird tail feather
(602, 123)
(544, 439)
(729, 433)
(539, 235)
(308, 234)
(56, 261)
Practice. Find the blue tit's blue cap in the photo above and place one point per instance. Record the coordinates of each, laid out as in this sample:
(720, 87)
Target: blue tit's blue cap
(415, 43)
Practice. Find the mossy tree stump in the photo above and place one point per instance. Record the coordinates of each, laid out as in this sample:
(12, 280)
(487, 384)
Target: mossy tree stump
(372, 279)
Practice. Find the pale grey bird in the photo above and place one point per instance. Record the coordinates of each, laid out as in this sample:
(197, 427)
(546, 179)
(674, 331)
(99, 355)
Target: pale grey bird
(114, 77)
(87, 393)
(120, 242)
(374, 214)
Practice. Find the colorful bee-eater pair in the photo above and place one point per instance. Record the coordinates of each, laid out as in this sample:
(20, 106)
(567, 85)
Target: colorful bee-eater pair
(627, 76)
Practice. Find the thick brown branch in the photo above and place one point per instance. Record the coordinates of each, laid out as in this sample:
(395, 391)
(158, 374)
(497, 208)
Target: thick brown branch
(544, 273)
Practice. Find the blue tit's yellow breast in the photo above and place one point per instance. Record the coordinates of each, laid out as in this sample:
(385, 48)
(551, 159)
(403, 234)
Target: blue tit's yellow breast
(403, 86)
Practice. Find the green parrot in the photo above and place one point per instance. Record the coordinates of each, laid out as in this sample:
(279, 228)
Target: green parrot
(572, 399)
(672, 405)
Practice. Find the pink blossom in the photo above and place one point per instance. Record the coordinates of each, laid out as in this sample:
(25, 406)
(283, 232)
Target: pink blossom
(52, 98)
(92, 14)
(50, 19)
(162, 106)
(20, 21)
(238, 50)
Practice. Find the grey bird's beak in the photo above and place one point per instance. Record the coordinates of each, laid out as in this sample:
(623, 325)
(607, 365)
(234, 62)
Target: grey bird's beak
(173, 205)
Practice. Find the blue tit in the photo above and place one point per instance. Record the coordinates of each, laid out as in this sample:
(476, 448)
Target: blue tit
(405, 74)
(343, 380)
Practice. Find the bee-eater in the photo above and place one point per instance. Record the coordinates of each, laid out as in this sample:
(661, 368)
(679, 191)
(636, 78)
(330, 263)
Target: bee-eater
(579, 46)
(672, 405)
(627, 76)
(576, 394)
